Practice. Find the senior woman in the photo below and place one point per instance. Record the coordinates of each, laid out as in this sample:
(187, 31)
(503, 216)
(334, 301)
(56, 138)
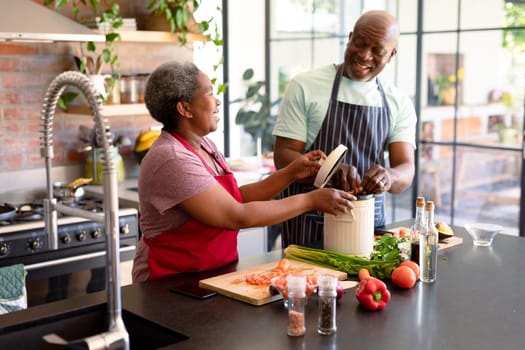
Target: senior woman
(191, 208)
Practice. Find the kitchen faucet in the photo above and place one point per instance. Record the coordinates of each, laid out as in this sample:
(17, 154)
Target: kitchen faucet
(116, 336)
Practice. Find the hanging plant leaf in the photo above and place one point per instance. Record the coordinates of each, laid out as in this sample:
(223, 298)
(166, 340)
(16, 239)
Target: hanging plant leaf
(248, 74)
(66, 98)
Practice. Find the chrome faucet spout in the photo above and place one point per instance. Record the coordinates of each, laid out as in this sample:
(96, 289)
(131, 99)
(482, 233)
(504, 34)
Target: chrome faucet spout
(116, 336)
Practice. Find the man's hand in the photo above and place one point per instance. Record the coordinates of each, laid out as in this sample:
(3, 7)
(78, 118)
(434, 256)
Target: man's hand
(346, 178)
(376, 180)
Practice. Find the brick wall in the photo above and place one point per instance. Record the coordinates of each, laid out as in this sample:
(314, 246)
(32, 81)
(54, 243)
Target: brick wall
(25, 72)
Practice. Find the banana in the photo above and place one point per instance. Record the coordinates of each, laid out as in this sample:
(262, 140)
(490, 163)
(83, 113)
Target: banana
(146, 135)
(81, 181)
(146, 139)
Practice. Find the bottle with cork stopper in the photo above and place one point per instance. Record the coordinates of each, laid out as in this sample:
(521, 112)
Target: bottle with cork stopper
(428, 246)
(417, 227)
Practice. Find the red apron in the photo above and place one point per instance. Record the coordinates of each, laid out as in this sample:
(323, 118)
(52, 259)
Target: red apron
(194, 246)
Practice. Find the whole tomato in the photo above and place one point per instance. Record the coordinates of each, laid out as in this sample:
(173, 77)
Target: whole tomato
(414, 266)
(403, 277)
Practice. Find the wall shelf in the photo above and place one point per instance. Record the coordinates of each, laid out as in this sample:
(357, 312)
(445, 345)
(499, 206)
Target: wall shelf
(112, 110)
(150, 36)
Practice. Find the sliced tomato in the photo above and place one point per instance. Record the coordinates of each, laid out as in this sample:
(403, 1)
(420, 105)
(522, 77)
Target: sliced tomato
(283, 266)
(258, 279)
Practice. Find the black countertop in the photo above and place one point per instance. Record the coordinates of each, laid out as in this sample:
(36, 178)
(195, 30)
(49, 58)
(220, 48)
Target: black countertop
(477, 303)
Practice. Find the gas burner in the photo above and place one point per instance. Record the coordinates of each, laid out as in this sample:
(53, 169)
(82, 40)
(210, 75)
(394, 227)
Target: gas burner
(29, 212)
(93, 205)
(28, 216)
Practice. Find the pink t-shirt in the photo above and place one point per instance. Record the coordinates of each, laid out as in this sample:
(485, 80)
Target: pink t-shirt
(169, 174)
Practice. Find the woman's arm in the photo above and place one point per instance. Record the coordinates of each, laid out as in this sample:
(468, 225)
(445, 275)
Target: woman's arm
(307, 165)
(216, 207)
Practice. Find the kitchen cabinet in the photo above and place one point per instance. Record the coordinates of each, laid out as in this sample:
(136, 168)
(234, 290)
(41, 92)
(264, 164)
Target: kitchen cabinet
(252, 242)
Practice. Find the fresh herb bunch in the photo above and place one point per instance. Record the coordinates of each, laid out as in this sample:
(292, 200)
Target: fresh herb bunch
(387, 248)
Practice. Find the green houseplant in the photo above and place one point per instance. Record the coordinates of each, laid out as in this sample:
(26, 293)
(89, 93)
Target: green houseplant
(178, 17)
(107, 14)
(177, 13)
(255, 113)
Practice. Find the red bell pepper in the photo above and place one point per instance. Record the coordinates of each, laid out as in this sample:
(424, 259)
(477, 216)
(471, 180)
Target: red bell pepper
(372, 293)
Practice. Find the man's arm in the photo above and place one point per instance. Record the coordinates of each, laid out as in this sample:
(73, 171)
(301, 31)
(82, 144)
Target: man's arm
(402, 167)
(286, 150)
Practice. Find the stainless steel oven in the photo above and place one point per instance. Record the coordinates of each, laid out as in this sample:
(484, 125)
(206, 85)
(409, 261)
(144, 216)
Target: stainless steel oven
(78, 266)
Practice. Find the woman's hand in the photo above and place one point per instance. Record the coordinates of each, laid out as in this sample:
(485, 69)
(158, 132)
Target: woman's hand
(332, 201)
(306, 165)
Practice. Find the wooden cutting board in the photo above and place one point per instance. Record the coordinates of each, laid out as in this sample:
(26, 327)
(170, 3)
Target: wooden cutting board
(450, 242)
(234, 284)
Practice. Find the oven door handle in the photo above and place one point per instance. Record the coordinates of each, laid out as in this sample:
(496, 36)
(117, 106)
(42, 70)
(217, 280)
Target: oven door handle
(74, 258)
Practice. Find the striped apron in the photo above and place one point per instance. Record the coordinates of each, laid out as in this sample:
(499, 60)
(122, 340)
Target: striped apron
(364, 130)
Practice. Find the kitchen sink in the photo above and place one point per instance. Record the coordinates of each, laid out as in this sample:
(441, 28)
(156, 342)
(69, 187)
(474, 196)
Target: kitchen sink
(144, 334)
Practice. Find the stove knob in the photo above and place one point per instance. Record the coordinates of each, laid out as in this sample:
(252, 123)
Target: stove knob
(124, 229)
(66, 239)
(4, 248)
(34, 244)
(81, 236)
(96, 234)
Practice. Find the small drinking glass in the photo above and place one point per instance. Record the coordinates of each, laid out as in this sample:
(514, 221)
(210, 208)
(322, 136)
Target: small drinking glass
(483, 234)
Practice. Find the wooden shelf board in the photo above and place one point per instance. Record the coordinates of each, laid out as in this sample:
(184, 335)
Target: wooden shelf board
(112, 110)
(157, 36)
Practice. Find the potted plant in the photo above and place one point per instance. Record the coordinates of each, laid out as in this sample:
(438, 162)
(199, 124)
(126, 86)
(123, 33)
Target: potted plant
(255, 114)
(92, 58)
(176, 16)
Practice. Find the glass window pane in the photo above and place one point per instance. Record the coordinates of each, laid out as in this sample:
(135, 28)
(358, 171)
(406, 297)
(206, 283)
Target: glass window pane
(438, 69)
(488, 187)
(435, 173)
(304, 19)
(492, 98)
(490, 15)
(291, 57)
(406, 13)
(246, 50)
(328, 51)
(402, 70)
(441, 15)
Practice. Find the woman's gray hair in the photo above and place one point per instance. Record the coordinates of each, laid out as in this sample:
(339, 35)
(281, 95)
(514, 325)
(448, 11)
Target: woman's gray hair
(169, 84)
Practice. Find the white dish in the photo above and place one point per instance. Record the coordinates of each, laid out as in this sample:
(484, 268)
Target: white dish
(329, 166)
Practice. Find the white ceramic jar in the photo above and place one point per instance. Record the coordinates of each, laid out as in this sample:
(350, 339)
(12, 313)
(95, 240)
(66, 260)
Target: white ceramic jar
(352, 232)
